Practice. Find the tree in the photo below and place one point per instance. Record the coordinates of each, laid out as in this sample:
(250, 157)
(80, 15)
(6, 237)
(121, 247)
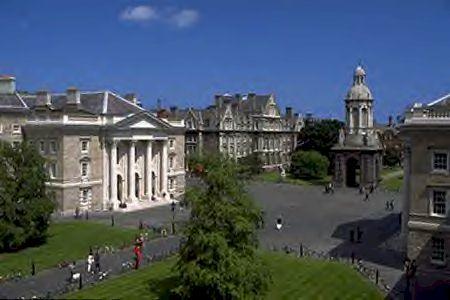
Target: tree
(320, 136)
(250, 165)
(309, 164)
(219, 259)
(25, 205)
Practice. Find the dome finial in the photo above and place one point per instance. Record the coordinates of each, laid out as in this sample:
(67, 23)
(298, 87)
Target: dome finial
(359, 75)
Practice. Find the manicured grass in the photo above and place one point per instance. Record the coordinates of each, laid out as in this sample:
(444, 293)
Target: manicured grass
(393, 184)
(293, 278)
(274, 176)
(66, 241)
(388, 170)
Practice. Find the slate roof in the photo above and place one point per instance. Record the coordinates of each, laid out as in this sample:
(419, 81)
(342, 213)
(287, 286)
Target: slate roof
(91, 102)
(12, 103)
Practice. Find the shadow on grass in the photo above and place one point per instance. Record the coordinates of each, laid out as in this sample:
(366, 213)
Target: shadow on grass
(163, 287)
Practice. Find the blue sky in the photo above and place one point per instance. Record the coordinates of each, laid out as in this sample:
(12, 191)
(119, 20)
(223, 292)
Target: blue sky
(186, 51)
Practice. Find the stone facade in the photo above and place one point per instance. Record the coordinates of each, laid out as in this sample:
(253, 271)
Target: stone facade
(102, 150)
(238, 125)
(426, 211)
(358, 155)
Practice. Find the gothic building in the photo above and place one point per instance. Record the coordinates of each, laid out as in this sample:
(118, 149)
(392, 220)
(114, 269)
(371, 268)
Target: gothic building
(102, 150)
(239, 125)
(358, 154)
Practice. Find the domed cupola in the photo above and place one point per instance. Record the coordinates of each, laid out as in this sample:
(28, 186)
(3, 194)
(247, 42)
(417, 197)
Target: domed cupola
(359, 89)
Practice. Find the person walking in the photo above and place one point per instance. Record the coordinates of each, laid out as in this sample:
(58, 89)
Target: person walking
(97, 262)
(279, 223)
(137, 256)
(392, 205)
(358, 234)
(90, 261)
(388, 205)
(366, 198)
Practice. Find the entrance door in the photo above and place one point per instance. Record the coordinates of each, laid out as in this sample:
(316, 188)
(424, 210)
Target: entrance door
(352, 172)
(119, 188)
(137, 185)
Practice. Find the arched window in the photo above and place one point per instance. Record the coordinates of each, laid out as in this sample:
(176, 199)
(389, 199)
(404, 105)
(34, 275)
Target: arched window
(365, 117)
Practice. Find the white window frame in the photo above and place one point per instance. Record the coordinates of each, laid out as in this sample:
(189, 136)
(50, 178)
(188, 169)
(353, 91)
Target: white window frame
(437, 261)
(171, 184)
(87, 169)
(16, 131)
(171, 143)
(433, 169)
(55, 149)
(42, 146)
(87, 145)
(431, 207)
(52, 170)
(171, 161)
(85, 197)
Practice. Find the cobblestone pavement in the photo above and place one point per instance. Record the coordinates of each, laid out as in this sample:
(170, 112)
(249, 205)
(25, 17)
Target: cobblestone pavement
(319, 221)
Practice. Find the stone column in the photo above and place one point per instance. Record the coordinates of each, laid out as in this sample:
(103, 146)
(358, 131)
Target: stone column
(200, 143)
(112, 175)
(350, 111)
(131, 172)
(148, 170)
(105, 179)
(164, 169)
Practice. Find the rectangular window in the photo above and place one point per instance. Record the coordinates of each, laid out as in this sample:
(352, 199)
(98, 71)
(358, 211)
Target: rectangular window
(53, 147)
(42, 146)
(84, 169)
(170, 163)
(16, 128)
(438, 207)
(438, 250)
(440, 161)
(171, 183)
(85, 197)
(52, 170)
(171, 143)
(84, 146)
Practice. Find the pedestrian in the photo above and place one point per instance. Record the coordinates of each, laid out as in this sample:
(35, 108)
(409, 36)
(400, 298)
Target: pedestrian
(366, 197)
(361, 189)
(77, 212)
(279, 223)
(352, 236)
(371, 188)
(97, 262)
(112, 220)
(71, 270)
(392, 205)
(33, 268)
(387, 205)
(137, 256)
(87, 215)
(90, 261)
(141, 225)
(359, 234)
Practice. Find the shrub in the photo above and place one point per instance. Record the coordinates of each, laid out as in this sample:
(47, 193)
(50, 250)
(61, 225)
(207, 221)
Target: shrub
(309, 164)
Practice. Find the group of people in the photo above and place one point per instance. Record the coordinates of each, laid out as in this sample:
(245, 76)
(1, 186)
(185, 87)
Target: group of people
(93, 262)
(358, 235)
(390, 205)
(367, 190)
(329, 188)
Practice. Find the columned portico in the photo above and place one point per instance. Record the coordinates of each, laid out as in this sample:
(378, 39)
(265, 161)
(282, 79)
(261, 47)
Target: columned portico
(148, 170)
(113, 176)
(131, 171)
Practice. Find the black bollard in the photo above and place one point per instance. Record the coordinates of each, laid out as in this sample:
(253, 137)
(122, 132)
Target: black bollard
(80, 283)
(301, 250)
(112, 220)
(377, 275)
(33, 269)
(87, 215)
(353, 258)
(141, 225)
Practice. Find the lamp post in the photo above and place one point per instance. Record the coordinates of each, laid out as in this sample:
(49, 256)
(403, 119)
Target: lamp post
(173, 204)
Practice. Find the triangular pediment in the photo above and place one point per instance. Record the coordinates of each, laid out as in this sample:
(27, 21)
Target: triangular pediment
(143, 120)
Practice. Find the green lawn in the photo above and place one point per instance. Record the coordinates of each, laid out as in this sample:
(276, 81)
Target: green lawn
(274, 176)
(66, 241)
(293, 278)
(392, 179)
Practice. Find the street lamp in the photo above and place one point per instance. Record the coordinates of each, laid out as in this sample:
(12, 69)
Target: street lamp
(173, 204)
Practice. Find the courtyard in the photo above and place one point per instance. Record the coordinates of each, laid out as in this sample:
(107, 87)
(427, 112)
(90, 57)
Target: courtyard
(318, 221)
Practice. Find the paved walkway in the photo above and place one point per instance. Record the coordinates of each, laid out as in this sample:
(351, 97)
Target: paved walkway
(55, 281)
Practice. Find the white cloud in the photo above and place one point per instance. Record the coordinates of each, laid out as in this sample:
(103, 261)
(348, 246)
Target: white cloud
(142, 13)
(184, 18)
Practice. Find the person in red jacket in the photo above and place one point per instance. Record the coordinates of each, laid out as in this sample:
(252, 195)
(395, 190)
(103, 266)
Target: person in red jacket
(137, 256)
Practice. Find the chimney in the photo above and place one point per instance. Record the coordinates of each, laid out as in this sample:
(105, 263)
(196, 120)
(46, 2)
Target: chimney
(289, 112)
(7, 84)
(131, 97)
(390, 121)
(73, 96)
(43, 98)
(217, 100)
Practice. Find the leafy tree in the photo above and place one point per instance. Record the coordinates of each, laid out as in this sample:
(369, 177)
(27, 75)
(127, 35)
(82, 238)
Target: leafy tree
(308, 164)
(250, 165)
(392, 157)
(219, 258)
(320, 136)
(25, 205)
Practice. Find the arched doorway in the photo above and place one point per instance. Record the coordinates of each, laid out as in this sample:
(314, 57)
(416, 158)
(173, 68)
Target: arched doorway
(137, 191)
(352, 172)
(119, 188)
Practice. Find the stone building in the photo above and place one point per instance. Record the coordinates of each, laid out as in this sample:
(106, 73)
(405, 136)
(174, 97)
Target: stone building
(426, 212)
(358, 154)
(102, 150)
(239, 125)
